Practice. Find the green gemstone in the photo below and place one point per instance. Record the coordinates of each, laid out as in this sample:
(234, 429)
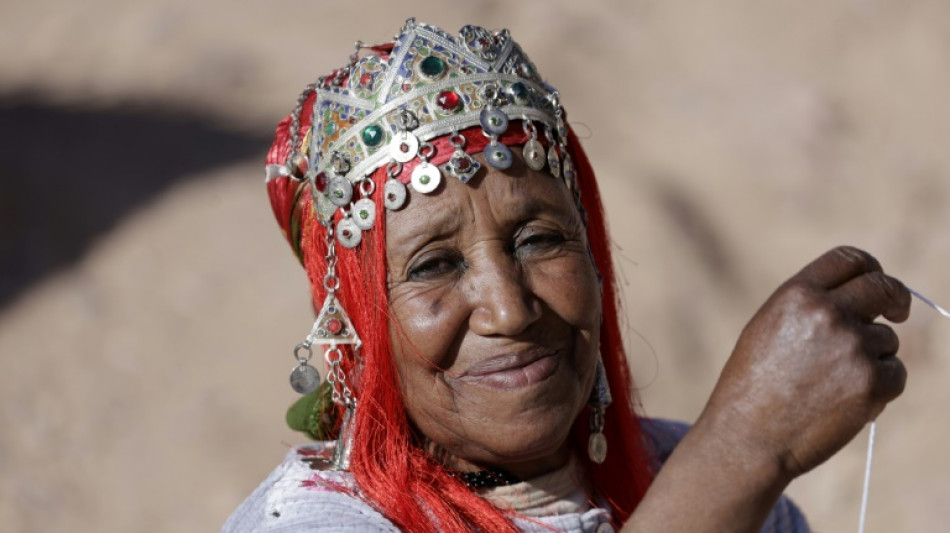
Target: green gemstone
(329, 128)
(519, 91)
(432, 67)
(424, 180)
(338, 193)
(364, 214)
(372, 135)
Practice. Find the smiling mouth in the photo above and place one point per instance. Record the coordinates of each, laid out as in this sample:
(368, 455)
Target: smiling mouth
(513, 371)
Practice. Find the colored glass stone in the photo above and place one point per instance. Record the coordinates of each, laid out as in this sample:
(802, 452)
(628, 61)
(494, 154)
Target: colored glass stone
(372, 135)
(321, 182)
(448, 101)
(424, 180)
(432, 67)
(329, 128)
(334, 326)
(364, 214)
(519, 92)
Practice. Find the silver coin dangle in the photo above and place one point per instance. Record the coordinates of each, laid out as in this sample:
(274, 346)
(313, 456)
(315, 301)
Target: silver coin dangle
(340, 191)
(534, 154)
(394, 194)
(497, 155)
(554, 163)
(304, 378)
(348, 233)
(493, 120)
(426, 177)
(404, 147)
(363, 213)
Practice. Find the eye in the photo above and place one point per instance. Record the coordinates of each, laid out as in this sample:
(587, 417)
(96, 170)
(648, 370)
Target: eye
(538, 240)
(436, 266)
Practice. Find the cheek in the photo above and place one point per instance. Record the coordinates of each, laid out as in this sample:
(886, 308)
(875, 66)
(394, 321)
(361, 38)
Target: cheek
(423, 330)
(571, 289)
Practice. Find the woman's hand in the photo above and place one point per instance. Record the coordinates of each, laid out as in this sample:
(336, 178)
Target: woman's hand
(810, 369)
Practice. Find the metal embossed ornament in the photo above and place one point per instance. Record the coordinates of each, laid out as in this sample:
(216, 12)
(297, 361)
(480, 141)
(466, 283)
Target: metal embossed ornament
(426, 176)
(382, 108)
(600, 398)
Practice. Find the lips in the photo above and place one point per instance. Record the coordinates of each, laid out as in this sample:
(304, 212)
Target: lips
(513, 370)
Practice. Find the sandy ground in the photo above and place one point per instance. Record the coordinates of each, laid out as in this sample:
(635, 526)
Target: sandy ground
(143, 375)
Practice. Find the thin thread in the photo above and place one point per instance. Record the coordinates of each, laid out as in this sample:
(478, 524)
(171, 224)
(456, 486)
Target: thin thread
(924, 299)
(867, 478)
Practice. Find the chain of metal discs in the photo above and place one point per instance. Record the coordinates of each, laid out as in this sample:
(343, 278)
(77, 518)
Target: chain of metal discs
(334, 355)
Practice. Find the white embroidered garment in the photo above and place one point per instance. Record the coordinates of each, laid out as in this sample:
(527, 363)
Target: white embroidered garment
(297, 498)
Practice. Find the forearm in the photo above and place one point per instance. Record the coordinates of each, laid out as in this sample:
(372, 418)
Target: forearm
(710, 484)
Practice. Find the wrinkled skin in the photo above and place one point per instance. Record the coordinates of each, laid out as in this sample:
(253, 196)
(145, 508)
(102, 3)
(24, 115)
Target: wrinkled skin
(490, 278)
(496, 318)
(810, 369)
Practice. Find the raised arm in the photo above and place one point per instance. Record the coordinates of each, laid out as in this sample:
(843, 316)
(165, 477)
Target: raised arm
(809, 370)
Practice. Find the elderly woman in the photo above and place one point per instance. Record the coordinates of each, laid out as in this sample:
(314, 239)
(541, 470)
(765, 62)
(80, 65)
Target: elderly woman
(459, 262)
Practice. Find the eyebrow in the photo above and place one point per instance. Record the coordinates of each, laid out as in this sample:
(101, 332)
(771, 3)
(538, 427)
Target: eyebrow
(449, 218)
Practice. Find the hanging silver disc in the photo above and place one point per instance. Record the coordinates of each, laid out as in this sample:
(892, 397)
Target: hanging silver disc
(348, 233)
(498, 156)
(554, 164)
(404, 148)
(304, 379)
(363, 213)
(340, 191)
(426, 177)
(534, 154)
(493, 120)
(568, 169)
(597, 447)
(394, 194)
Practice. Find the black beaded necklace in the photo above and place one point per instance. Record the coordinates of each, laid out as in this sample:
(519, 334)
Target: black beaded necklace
(485, 479)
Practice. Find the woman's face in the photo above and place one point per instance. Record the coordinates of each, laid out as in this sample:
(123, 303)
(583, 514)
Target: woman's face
(495, 317)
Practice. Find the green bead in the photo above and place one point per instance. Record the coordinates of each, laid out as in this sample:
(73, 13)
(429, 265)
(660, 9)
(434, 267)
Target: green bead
(372, 135)
(364, 214)
(432, 67)
(424, 180)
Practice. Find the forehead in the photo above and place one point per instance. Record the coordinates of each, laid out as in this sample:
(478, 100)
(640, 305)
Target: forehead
(492, 198)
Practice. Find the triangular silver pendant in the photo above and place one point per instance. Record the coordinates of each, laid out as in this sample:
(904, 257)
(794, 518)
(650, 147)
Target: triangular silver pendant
(333, 326)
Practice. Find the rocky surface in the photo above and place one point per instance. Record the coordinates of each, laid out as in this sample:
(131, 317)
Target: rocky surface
(149, 304)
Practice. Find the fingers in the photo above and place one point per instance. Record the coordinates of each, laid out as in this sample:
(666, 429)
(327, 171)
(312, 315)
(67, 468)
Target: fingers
(871, 295)
(837, 267)
(888, 374)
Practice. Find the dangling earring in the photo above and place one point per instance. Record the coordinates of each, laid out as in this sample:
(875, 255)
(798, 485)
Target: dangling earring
(599, 400)
(332, 329)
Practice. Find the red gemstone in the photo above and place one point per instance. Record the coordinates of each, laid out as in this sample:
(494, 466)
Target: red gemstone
(448, 100)
(463, 163)
(334, 326)
(366, 78)
(322, 182)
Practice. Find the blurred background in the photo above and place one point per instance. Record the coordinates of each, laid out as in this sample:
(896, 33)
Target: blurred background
(148, 304)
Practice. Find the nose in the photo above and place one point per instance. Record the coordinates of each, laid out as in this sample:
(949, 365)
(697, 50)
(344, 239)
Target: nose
(502, 302)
